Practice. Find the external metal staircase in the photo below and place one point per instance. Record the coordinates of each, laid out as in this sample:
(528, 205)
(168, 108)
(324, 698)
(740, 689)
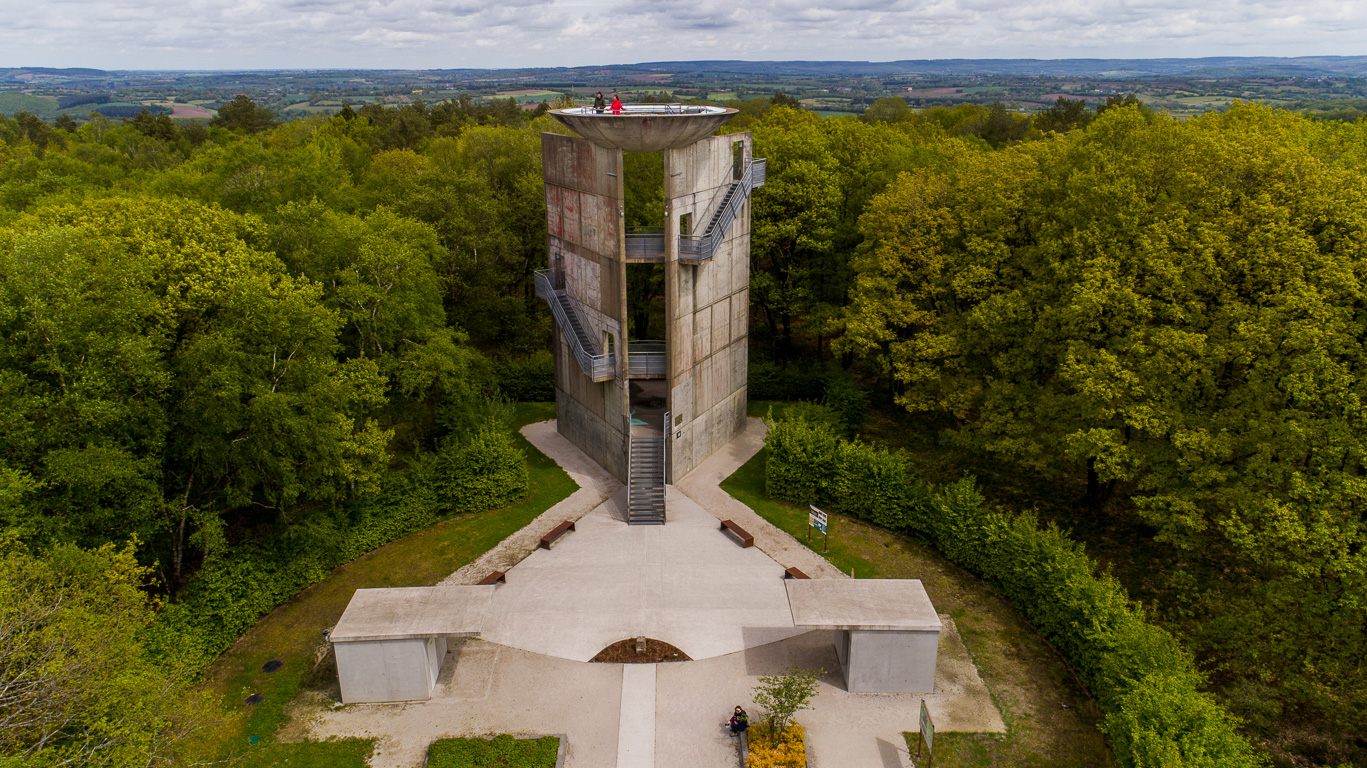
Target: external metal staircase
(596, 363)
(647, 244)
(704, 247)
(646, 479)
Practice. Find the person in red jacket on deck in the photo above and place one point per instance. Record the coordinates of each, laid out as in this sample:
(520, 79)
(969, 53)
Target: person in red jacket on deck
(616, 105)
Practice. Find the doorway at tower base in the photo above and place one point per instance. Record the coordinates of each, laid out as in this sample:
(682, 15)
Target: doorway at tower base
(648, 398)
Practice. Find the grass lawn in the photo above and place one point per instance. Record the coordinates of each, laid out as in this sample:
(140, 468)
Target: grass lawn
(1051, 720)
(293, 633)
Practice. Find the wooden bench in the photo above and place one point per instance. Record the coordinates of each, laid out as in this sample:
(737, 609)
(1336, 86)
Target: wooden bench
(746, 540)
(556, 533)
(494, 578)
(794, 573)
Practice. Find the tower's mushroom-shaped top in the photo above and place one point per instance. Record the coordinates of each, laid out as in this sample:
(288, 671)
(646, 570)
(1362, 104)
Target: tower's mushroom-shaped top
(645, 127)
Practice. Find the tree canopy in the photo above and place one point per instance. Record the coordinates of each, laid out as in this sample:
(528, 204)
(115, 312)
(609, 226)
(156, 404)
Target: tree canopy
(1170, 307)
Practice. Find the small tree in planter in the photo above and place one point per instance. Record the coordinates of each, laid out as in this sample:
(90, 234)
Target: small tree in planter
(783, 696)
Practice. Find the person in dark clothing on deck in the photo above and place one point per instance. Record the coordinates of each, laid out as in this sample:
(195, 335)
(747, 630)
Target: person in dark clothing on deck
(599, 103)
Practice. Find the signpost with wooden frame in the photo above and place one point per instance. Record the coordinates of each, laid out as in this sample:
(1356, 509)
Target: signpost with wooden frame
(817, 519)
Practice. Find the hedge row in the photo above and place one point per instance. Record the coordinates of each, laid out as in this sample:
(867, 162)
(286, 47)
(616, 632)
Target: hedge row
(501, 750)
(233, 591)
(1146, 684)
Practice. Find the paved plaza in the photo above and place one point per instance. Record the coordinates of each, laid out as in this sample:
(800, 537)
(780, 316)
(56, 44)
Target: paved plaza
(686, 583)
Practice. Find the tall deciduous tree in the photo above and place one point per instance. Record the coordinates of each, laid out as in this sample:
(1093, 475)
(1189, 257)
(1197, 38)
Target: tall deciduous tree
(243, 114)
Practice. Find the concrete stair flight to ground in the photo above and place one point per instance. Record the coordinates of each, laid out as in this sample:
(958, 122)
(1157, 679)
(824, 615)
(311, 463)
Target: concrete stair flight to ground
(646, 481)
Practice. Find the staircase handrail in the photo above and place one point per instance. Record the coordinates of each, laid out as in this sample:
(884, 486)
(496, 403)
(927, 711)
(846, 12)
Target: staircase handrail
(594, 363)
(719, 223)
(628, 420)
(664, 450)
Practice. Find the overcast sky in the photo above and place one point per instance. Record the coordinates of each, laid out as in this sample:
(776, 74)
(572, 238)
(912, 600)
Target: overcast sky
(433, 34)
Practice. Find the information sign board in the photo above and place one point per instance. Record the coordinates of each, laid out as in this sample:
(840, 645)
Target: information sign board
(927, 733)
(816, 519)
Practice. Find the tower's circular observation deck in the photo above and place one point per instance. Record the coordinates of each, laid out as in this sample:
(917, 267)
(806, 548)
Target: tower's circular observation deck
(645, 127)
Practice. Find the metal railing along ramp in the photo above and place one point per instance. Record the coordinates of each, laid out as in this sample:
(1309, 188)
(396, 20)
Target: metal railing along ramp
(648, 243)
(596, 363)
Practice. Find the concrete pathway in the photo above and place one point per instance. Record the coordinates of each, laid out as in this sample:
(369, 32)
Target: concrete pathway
(685, 583)
(488, 689)
(636, 731)
(703, 486)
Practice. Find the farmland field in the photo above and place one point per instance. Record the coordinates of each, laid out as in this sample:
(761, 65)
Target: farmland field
(42, 106)
(189, 112)
(305, 108)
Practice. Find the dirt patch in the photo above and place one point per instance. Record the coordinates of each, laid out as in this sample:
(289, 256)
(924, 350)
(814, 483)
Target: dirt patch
(624, 652)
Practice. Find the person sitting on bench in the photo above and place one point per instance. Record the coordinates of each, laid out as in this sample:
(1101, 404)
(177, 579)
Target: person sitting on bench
(738, 723)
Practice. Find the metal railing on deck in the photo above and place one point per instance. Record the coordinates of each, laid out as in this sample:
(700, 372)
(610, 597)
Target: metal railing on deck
(646, 359)
(597, 365)
(646, 243)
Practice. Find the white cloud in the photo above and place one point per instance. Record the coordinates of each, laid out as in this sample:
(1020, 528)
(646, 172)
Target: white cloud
(131, 34)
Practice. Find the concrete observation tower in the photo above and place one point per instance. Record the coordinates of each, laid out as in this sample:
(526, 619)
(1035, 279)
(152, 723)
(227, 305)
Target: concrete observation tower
(649, 410)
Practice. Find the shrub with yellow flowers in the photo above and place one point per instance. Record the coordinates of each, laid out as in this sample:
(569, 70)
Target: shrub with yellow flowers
(782, 749)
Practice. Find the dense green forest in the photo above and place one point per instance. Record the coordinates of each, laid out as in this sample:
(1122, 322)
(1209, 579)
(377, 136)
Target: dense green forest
(237, 355)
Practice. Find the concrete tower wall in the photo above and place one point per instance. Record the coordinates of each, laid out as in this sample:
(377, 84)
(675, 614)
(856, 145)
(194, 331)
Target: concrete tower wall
(708, 306)
(584, 199)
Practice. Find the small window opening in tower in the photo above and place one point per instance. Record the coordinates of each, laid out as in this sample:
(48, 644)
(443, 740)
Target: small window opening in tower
(737, 159)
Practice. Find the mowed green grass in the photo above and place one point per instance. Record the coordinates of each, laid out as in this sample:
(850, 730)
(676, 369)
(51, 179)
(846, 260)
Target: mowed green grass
(293, 633)
(1050, 718)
